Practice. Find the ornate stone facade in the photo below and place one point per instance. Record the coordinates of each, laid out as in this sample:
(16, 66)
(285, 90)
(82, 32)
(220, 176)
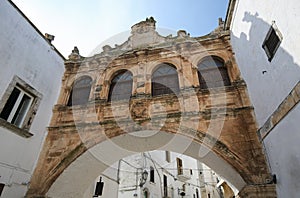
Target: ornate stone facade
(220, 118)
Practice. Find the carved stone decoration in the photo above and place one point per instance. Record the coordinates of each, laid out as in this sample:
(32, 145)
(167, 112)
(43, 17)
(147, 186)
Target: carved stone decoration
(194, 114)
(139, 110)
(75, 54)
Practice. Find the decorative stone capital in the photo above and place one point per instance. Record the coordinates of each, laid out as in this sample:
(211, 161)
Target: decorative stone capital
(258, 191)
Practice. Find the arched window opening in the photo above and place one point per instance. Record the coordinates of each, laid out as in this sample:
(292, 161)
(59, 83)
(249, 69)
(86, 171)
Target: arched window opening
(146, 193)
(165, 80)
(81, 91)
(121, 86)
(212, 73)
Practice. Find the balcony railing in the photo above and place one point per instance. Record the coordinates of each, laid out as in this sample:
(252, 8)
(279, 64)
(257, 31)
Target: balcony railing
(184, 175)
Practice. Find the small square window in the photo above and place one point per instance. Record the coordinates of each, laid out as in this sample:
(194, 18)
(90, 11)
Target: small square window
(18, 107)
(272, 41)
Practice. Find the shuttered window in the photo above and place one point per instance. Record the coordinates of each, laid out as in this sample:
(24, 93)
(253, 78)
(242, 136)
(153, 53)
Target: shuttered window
(212, 73)
(165, 80)
(81, 91)
(121, 86)
(272, 42)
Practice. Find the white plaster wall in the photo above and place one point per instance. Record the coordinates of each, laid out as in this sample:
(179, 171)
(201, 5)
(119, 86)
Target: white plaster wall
(267, 90)
(23, 52)
(270, 82)
(283, 152)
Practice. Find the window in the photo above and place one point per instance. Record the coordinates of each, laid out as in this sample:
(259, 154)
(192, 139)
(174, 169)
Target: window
(81, 91)
(121, 86)
(151, 174)
(18, 106)
(191, 171)
(179, 166)
(168, 159)
(165, 186)
(1, 188)
(146, 193)
(197, 193)
(212, 73)
(165, 80)
(272, 41)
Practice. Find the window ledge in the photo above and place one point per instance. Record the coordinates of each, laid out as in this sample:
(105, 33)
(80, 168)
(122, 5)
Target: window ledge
(21, 132)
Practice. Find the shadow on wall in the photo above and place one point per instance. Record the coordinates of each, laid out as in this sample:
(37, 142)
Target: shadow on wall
(269, 82)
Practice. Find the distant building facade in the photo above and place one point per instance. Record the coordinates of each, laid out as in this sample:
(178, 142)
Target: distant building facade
(30, 80)
(265, 39)
(158, 174)
(169, 175)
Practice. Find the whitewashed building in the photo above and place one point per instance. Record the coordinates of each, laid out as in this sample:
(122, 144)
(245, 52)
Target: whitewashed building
(159, 174)
(30, 80)
(265, 38)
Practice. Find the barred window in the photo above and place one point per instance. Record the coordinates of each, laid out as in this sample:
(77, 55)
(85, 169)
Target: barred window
(121, 86)
(212, 73)
(81, 91)
(165, 80)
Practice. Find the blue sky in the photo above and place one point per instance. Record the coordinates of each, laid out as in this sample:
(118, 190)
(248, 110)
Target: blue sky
(88, 23)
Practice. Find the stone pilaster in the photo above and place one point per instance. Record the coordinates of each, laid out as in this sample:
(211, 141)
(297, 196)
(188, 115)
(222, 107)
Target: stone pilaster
(258, 191)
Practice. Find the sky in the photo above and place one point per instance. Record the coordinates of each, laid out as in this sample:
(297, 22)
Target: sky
(89, 23)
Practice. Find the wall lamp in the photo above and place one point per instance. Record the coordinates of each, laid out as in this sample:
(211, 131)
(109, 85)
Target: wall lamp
(144, 178)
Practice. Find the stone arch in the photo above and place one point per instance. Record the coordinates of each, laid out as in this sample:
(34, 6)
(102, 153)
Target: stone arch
(146, 192)
(132, 138)
(154, 65)
(91, 162)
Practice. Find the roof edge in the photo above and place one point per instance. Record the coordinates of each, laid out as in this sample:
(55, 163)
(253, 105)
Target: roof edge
(36, 29)
(229, 14)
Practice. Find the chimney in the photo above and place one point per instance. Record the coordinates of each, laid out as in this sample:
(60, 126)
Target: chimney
(49, 37)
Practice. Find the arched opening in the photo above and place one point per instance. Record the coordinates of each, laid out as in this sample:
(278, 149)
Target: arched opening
(80, 92)
(164, 80)
(121, 86)
(79, 175)
(212, 73)
(146, 193)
